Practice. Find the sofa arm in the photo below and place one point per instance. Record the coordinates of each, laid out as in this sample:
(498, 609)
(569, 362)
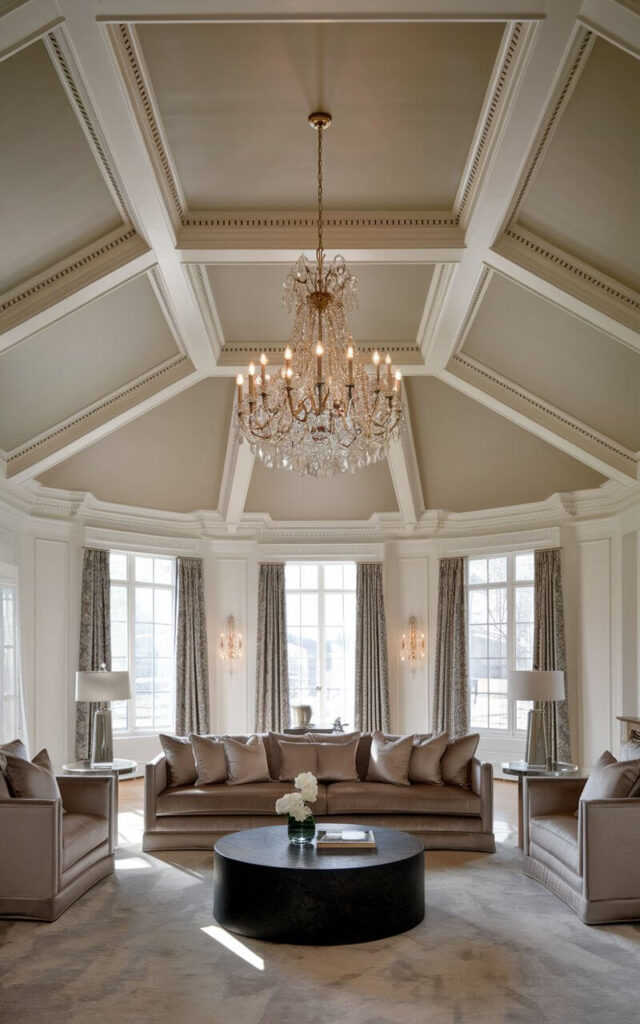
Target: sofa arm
(610, 848)
(155, 781)
(30, 848)
(482, 785)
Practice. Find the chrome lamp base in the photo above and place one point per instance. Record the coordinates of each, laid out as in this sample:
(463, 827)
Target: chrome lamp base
(102, 739)
(536, 752)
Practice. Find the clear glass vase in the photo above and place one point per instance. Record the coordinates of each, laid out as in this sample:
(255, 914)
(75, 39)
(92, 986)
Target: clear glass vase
(302, 833)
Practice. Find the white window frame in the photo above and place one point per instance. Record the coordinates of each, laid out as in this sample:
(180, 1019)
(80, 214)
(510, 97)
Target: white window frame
(9, 579)
(321, 590)
(512, 585)
(130, 583)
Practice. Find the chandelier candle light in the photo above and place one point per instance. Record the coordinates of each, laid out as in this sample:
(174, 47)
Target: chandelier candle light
(323, 413)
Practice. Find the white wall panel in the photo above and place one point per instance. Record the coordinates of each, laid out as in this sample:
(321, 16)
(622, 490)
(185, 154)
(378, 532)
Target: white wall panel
(53, 683)
(595, 649)
(411, 597)
(228, 589)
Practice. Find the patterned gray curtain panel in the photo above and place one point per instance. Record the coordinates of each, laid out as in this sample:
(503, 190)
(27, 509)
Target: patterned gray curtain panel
(192, 663)
(549, 648)
(372, 674)
(95, 636)
(451, 696)
(272, 670)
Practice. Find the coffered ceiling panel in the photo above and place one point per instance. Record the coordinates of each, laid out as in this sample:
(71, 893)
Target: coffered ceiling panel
(287, 496)
(559, 358)
(405, 99)
(584, 196)
(171, 458)
(391, 301)
(471, 458)
(80, 359)
(53, 199)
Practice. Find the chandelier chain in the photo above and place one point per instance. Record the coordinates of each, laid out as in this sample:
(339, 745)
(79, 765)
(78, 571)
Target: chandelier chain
(320, 250)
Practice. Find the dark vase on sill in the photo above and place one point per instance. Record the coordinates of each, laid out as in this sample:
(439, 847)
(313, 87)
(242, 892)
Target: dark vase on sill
(302, 833)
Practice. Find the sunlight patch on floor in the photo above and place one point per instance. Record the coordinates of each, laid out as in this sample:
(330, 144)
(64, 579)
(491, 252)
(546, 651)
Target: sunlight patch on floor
(234, 946)
(131, 863)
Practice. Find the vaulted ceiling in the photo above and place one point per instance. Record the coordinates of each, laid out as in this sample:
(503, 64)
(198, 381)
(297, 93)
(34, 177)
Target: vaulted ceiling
(157, 180)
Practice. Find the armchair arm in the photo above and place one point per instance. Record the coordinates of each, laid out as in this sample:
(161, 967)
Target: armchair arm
(87, 794)
(155, 781)
(548, 796)
(482, 785)
(610, 848)
(30, 848)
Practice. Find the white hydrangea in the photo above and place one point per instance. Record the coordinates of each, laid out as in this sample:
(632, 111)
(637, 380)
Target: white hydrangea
(297, 807)
(307, 783)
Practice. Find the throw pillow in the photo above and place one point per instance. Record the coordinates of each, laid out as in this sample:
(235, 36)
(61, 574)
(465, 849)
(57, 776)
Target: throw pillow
(389, 759)
(610, 779)
(211, 762)
(272, 743)
(181, 763)
(457, 758)
(337, 761)
(246, 762)
(32, 780)
(18, 749)
(424, 765)
(296, 758)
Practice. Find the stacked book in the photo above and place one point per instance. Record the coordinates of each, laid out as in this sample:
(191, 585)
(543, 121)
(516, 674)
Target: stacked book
(345, 839)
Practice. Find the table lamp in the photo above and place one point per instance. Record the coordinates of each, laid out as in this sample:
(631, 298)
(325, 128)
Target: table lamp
(538, 685)
(102, 687)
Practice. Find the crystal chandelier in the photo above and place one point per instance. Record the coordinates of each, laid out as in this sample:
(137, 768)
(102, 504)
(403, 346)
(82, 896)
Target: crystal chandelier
(324, 412)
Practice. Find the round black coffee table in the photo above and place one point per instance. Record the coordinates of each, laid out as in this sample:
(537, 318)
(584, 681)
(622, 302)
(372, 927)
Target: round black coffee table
(265, 888)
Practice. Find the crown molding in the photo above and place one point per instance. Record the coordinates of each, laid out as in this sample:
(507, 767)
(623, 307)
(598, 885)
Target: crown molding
(109, 254)
(604, 454)
(33, 457)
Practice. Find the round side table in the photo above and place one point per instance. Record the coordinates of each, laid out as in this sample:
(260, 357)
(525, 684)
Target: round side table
(119, 766)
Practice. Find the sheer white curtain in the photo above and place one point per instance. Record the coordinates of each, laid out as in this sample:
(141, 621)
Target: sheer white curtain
(13, 724)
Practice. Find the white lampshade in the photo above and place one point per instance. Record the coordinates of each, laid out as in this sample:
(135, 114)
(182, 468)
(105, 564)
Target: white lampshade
(101, 686)
(536, 685)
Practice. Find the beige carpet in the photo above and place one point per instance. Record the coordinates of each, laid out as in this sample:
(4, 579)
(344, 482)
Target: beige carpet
(494, 947)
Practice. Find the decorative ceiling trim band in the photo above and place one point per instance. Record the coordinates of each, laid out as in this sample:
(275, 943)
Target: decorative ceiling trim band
(127, 51)
(345, 231)
(65, 278)
(62, 60)
(97, 414)
(544, 413)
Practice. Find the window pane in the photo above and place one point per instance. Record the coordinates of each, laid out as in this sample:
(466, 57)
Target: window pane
(478, 673)
(119, 610)
(144, 640)
(119, 643)
(478, 641)
(144, 569)
(524, 604)
(333, 610)
(477, 570)
(144, 604)
(478, 606)
(117, 566)
(350, 576)
(497, 570)
(498, 605)
(292, 577)
(333, 577)
(522, 713)
(309, 577)
(524, 566)
(479, 717)
(309, 609)
(163, 570)
(163, 605)
(293, 610)
(163, 641)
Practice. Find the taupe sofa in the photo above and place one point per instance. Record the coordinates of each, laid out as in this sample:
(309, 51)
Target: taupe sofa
(48, 859)
(591, 861)
(444, 817)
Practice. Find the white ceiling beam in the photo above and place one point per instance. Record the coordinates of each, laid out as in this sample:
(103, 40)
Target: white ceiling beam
(97, 66)
(613, 21)
(405, 473)
(553, 425)
(325, 10)
(25, 23)
(236, 476)
(520, 122)
(273, 254)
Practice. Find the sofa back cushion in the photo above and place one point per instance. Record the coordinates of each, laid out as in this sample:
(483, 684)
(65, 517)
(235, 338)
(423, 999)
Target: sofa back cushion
(389, 759)
(336, 761)
(181, 763)
(272, 743)
(456, 760)
(424, 765)
(32, 780)
(611, 779)
(211, 762)
(296, 758)
(246, 762)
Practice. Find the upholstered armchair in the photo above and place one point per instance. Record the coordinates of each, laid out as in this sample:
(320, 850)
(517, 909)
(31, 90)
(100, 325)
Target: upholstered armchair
(49, 858)
(591, 861)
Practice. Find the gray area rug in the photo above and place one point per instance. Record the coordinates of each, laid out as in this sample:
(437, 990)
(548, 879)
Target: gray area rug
(494, 947)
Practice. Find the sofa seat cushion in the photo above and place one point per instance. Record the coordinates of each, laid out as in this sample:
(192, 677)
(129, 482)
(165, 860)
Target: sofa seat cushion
(81, 833)
(383, 798)
(558, 834)
(248, 798)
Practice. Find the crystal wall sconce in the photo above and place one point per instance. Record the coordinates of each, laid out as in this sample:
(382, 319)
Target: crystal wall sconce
(230, 643)
(412, 646)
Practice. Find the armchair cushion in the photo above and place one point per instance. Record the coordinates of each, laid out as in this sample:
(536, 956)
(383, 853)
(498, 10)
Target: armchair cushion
(611, 779)
(558, 834)
(81, 833)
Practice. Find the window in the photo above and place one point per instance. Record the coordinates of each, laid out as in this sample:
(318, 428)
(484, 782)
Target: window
(321, 632)
(142, 639)
(12, 723)
(500, 636)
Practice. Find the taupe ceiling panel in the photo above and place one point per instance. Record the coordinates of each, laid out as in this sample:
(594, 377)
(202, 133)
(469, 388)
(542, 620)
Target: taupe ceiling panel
(53, 199)
(391, 301)
(80, 359)
(234, 101)
(287, 496)
(471, 458)
(584, 196)
(559, 358)
(171, 458)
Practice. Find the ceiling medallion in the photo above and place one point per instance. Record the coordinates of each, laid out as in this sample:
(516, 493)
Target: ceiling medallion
(323, 413)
